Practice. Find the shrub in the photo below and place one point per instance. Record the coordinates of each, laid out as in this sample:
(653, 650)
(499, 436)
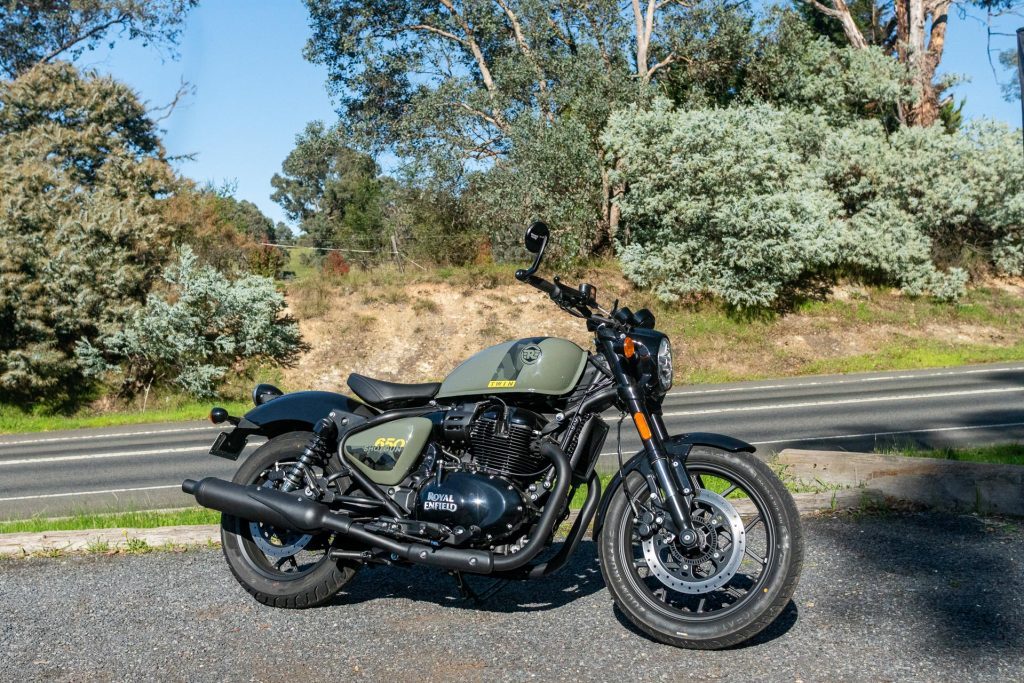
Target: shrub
(335, 265)
(723, 201)
(190, 336)
(752, 203)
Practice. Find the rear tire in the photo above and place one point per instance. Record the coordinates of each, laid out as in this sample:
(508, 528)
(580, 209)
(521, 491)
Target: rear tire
(314, 585)
(669, 616)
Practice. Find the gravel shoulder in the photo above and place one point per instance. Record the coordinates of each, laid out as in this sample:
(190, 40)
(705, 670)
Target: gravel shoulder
(883, 597)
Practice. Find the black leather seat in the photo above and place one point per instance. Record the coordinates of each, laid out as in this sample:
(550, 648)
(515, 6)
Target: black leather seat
(387, 395)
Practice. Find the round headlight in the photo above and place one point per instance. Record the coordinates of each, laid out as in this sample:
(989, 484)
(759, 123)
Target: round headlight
(665, 364)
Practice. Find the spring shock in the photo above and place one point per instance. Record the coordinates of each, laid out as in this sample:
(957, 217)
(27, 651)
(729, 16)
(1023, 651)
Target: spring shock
(316, 452)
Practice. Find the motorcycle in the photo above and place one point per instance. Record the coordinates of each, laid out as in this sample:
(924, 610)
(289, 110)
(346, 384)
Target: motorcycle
(699, 542)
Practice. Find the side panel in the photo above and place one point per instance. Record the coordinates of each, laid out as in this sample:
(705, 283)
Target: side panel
(536, 365)
(387, 453)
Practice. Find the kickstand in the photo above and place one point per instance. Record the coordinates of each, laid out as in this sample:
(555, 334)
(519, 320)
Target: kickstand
(469, 594)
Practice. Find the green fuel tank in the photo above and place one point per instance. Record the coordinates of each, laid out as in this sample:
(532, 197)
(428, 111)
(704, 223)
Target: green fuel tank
(536, 365)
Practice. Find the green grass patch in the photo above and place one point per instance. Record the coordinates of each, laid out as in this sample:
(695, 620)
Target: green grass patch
(146, 519)
(1002, 454)
(14, 420)
(912, 354)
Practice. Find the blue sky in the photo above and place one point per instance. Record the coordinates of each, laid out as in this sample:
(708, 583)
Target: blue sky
(254, 92)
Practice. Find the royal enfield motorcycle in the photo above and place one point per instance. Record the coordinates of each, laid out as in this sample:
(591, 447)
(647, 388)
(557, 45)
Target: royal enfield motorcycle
(699, 542)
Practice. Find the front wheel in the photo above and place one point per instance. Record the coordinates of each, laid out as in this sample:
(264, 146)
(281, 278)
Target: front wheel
(728, 587)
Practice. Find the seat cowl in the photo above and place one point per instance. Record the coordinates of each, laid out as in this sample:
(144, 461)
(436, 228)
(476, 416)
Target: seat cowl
(382, 394)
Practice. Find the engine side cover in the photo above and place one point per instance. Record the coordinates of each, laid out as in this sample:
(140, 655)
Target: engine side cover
(466, 499)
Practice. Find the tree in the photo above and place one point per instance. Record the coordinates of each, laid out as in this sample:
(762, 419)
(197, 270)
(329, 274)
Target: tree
(40, 31)
(83, 174)
(454, 83)
(332, 191)
(225, 233)
(914, 31)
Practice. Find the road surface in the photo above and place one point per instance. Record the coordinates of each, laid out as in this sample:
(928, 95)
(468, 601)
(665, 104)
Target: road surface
(142, 466)
(921, 597)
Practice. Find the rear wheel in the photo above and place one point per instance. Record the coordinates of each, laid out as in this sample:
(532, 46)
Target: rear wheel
(728, 587)
(281, 567)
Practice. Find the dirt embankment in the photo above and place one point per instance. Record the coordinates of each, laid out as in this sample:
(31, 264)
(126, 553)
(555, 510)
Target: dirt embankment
(419, 331)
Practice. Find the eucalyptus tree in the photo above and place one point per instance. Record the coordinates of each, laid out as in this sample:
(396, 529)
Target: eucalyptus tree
(466, 85)
(40, 31)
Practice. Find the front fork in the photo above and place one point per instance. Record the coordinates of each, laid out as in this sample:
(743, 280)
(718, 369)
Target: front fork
(668, 468)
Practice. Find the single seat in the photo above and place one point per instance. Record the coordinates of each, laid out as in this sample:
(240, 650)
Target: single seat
(388, 395)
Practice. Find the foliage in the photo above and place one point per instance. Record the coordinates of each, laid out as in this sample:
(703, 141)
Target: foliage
(224, 232)
(550, 172)
(723, 201)
(39, 31)
(332, 191)
(192, 334)
(753, 204)
(82, 172)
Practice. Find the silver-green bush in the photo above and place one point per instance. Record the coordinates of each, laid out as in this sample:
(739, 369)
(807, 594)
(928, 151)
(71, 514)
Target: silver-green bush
(191, 335)
(751, 203)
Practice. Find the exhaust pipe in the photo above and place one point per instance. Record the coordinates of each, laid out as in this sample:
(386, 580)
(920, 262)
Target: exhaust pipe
(291, 511)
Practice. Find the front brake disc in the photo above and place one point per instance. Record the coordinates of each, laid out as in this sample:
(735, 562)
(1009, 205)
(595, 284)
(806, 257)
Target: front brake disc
(716, 557)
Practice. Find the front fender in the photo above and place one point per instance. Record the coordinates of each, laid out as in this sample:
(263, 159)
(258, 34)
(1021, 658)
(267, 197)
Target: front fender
(294, 412)
(677, 446)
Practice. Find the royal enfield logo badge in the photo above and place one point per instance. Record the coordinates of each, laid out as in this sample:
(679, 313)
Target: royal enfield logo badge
(530, 354)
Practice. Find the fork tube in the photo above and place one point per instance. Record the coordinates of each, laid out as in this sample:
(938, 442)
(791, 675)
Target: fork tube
(676, 503)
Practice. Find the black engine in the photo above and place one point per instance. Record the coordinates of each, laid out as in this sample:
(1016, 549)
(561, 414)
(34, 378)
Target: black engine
(483, 493)
(483, 505)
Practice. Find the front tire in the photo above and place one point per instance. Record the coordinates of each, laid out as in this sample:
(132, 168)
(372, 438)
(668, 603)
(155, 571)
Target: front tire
(278, 579)
(679, 596)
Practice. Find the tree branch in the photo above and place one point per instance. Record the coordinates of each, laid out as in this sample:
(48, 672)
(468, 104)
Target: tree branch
(92, 33)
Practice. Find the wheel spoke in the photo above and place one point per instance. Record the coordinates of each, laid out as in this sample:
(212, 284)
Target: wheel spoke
(700, 605)
(752, 523)
(760, 560)
(725, 493)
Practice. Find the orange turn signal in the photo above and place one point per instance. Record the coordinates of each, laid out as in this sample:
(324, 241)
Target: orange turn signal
(628, 347)
(641, 426)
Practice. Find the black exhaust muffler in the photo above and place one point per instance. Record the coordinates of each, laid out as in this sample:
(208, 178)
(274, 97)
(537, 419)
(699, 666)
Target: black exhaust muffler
(256, 504)
(292, 511)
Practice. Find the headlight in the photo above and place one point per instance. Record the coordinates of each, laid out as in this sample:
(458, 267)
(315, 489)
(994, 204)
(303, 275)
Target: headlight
(665, 364)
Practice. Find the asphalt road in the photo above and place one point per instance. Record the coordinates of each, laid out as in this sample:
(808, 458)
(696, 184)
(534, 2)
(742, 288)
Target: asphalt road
(142, 466)
(919, 597)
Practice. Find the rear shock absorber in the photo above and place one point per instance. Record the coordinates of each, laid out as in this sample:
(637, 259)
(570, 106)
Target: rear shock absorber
(316, 452)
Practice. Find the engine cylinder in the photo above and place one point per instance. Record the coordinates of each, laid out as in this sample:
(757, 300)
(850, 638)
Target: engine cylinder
(510, 451)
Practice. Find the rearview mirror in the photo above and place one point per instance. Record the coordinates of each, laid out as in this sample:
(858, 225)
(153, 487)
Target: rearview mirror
(536, 237)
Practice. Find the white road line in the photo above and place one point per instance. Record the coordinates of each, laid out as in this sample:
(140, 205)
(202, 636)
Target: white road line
(98, 456)
(83, 437)
(837, 382)
(91, 493)
(836, 437)
(906, 431)
(846, 401)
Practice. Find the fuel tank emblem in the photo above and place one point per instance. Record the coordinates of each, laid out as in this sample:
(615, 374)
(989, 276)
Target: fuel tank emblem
(530, 354)
(501, 384)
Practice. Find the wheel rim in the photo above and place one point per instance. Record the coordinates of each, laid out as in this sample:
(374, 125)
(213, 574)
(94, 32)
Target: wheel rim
(280, 554)
(756, 557)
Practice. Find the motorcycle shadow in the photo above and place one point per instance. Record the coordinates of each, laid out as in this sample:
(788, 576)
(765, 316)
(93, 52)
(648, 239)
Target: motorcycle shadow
(579, 578)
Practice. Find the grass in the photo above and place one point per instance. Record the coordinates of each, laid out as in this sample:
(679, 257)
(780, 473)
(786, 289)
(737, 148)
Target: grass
(146, 519)
(1002, 454)
(14, 420)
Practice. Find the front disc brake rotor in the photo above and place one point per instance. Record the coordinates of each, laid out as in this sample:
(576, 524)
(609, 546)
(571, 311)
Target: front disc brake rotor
(277, 543)
(713, 561)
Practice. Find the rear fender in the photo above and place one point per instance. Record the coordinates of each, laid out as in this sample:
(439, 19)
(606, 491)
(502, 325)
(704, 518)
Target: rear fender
(679, 447)
(295, 412)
